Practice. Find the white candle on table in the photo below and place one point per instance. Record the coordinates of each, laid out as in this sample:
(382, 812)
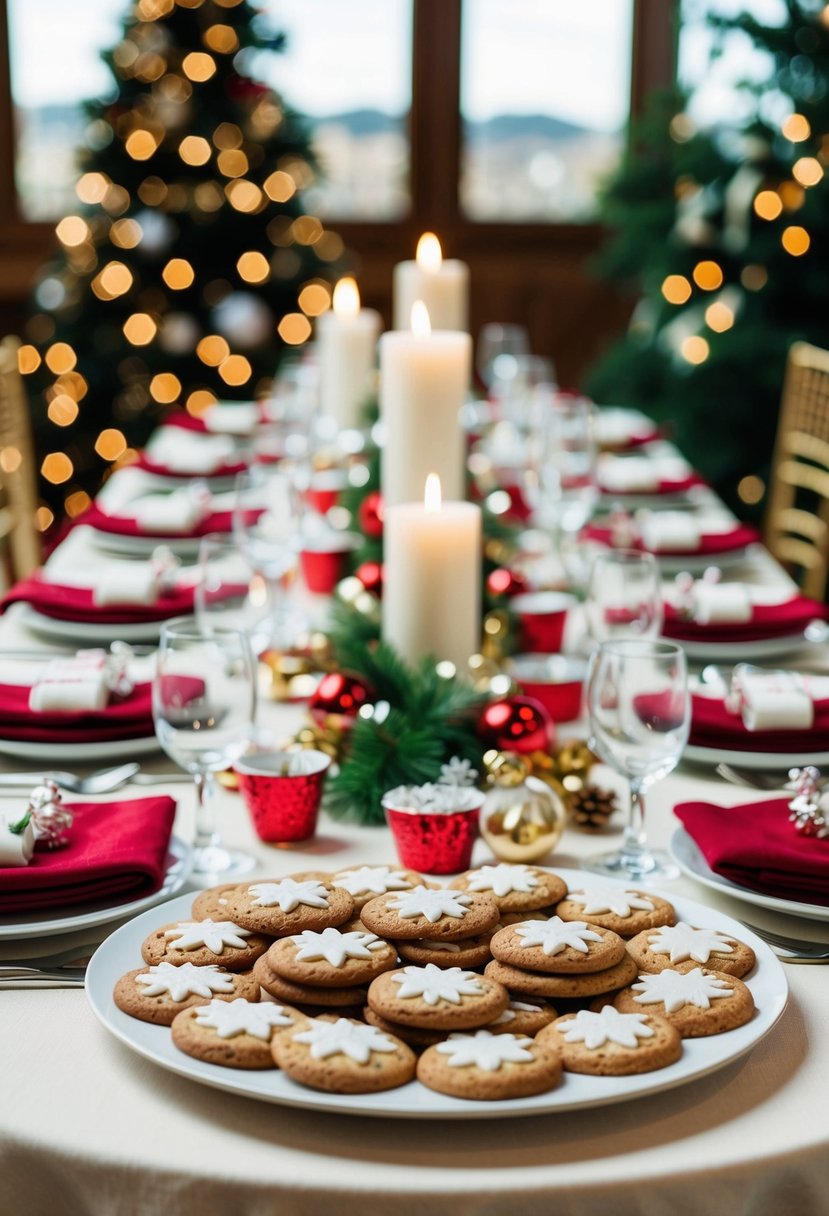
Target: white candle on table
(423, 382)
(442, 285)
(346, 341)
(432, 578)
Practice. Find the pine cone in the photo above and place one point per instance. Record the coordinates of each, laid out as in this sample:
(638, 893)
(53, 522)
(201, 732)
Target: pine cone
(590, 807)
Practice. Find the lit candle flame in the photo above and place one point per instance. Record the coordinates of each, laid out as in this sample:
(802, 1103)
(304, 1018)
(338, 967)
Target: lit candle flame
(346, 298)
(431, 494)
(421, 325)
(429, 255)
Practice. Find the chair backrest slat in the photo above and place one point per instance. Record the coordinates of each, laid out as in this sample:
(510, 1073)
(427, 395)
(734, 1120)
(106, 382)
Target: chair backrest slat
(17, 464)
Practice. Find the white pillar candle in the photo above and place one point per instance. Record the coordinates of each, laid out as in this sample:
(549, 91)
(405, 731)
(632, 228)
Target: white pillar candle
(423, 382)
(443, 286)
(432, 579)
(346, 342)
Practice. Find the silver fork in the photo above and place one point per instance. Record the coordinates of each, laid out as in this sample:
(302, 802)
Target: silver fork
(798, 950)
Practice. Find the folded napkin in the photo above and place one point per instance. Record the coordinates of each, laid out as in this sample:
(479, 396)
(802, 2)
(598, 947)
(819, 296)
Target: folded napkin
(715, 726)
(128, 717)
(670, 532)
(756, 846)
(128, 525)
(174, 451)
(624, 428)
(83, 604)
(117, 851)
(76, 682)
(223, 418)
(709, 542)
(176, 513)
(641, 475)
(763, 621)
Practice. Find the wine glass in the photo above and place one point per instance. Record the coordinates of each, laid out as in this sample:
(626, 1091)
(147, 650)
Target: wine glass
(267, 526)
(498, 346)
(640, 713)
(229, 593)
(561, 476)
(624, 596)
(204, 704)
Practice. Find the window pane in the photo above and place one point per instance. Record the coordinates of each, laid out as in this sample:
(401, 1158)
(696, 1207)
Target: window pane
(545, 95)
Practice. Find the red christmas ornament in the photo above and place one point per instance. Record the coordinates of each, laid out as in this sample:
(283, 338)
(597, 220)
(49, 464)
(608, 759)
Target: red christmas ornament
(370, 515)
(517, 724)
(340, 696)
(506, 582)
(370, 575)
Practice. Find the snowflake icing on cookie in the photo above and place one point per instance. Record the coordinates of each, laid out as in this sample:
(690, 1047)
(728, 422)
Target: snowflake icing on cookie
(229, 1018)
(682, 942)
(184, 981)
(435, 984)
(503, 879)
(289, 894)
(343, 1037)
(555, 935)
(422, 901)
(606, 1026)
(210, 934)
(601, 899)
(371, 880)
(676, 989)
(335, 947)
(512, 1011)
(485, 1050)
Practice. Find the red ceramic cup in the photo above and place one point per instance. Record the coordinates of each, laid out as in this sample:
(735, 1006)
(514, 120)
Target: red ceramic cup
(542, 616)
(555, 680)
(325, 489)
(282, 791)
(434, 842)
(323, 561)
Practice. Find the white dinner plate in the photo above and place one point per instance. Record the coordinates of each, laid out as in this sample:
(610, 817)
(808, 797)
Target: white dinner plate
(121, 953)
(144, 546)
(80, 753)
(741, 652)
(688, 856)
(698, 563)
(87, 632)
(52, 921)
(759, 760)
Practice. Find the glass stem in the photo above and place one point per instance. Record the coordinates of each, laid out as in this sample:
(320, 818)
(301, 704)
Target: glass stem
(206, 834)
(634, 845)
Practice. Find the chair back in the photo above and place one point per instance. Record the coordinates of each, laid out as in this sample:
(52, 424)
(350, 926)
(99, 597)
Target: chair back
(797, 516)
(19, 539)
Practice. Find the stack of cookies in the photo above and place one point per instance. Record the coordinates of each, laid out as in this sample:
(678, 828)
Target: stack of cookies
(368, 978)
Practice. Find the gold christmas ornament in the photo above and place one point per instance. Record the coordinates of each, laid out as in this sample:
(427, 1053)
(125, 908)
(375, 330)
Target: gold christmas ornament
(495, 635)
(522, 818)
(326, 737)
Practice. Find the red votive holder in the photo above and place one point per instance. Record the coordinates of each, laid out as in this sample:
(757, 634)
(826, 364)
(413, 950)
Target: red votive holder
(542, 616)
(282, 791)
(324, 560)
(557, 681)
(433, 842)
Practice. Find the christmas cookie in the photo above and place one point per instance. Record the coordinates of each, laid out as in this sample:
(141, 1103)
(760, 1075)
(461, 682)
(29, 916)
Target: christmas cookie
(344, 1056)
(437, 998)
(682, 947)
(489, 1066)
(515, 918)
(523, 1017)
(467, 952)
(205, 941)
(515, 888)
(626, 912)
(156, 994)
(557, 945)
(613, 1044)
(367, 882)
(289, 905)
(290, 993)
(236, 1034)
(439, 915)
(212, 902)
(698, 1002)
(563, 987)
(331, 958)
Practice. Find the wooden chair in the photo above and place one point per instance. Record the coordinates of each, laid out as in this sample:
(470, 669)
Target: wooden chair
(19, 541)
(797, 516)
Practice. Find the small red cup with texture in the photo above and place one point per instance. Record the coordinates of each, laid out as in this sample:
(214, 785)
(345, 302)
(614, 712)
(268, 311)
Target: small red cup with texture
(542, 616)
(324, 560)
(434, 842)
(557, 681)
(283, 791)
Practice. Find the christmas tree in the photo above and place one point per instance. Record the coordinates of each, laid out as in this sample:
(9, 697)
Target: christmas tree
(190, 263)
(724, 236)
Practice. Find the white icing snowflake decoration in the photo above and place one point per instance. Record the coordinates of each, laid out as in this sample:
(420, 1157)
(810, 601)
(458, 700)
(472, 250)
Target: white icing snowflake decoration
(613, 899)
(422, 901)
(512, 1011)
(435, 984)
(503, 879)
(457, 772)
(210, 934)
(485, 1050)
(229, 1018)
(289, 894)
(343, 1037)
(681, 942)
(676, 989)
(607, 1026)
(335, 947)
(371, 880)
(555, 935)
(434, 797)
(186, 980)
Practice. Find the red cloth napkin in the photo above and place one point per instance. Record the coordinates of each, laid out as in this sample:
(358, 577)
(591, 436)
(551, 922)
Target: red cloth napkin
(713, 726)
(710, 543)
(124, 525)
(77, 604)
(665, 486)
(767, 621)
(117, 851)
(755, 846)
(161, 470)
(636, 439)
(129, 717)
